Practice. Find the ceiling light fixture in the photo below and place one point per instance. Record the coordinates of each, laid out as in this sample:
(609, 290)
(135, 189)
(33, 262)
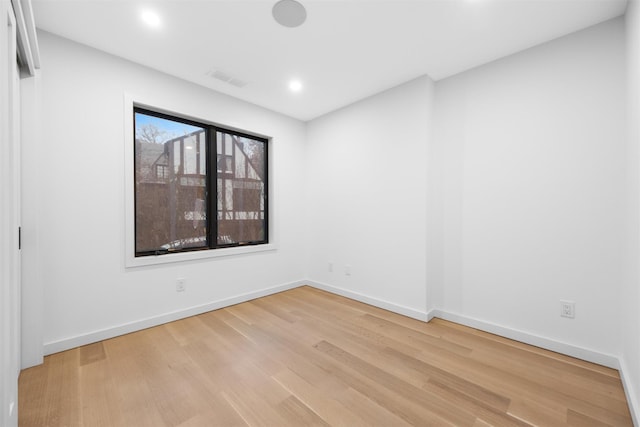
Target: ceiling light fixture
(151, 18)
(289, 13)
(295, 86)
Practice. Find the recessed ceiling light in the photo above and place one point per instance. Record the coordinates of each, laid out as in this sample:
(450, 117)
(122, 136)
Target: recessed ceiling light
(295, 85)
(289, 13)
(151, 18)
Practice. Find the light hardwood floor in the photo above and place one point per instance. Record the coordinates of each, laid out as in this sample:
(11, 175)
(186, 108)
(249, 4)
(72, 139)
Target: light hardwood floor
(307, 357)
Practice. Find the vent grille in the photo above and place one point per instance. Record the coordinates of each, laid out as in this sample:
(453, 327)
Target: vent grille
(227, 78)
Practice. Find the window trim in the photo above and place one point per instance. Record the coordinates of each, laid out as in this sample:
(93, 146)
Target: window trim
(157, 105)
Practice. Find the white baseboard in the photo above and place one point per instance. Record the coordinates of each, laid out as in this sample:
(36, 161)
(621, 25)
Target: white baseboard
(629, 391)
(396, 308)
(528, 338)
(514, 334)
(103, 334)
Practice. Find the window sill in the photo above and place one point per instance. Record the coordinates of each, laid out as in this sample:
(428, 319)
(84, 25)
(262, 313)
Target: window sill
(196, 255)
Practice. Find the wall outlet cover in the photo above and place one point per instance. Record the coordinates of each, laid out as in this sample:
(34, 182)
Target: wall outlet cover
(568, 309)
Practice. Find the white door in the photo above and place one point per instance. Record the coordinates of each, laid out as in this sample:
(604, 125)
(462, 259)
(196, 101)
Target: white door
(9, 217)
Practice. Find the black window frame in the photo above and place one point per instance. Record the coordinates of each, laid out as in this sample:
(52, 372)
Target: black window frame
(211, 184)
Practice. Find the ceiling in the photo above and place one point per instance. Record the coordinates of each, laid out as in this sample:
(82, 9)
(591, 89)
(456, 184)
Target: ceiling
(345, 51)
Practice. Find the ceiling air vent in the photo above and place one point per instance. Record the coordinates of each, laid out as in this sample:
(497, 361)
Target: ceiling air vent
(224, 77)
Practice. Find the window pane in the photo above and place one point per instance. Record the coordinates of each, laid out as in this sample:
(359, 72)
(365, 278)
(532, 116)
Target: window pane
(241, 189)
(170, 184)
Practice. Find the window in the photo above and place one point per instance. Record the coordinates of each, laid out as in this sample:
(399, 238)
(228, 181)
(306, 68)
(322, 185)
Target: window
(182, 203)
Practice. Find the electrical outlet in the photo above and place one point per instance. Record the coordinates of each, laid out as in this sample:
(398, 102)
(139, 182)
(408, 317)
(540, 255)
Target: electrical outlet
(330, 267)
(568, 309)
(181, 285)
(347, 270)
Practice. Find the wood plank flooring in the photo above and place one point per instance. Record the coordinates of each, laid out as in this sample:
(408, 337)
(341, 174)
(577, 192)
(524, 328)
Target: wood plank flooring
(307, 357)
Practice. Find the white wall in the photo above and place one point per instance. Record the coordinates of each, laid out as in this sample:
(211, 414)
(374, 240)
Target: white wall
(366, 201)
(32, 310)
(532, 204)
(630, 295)
(516, 201)
(78, 177)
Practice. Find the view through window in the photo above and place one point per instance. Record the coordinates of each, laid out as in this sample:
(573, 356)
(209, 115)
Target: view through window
(175, 181)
